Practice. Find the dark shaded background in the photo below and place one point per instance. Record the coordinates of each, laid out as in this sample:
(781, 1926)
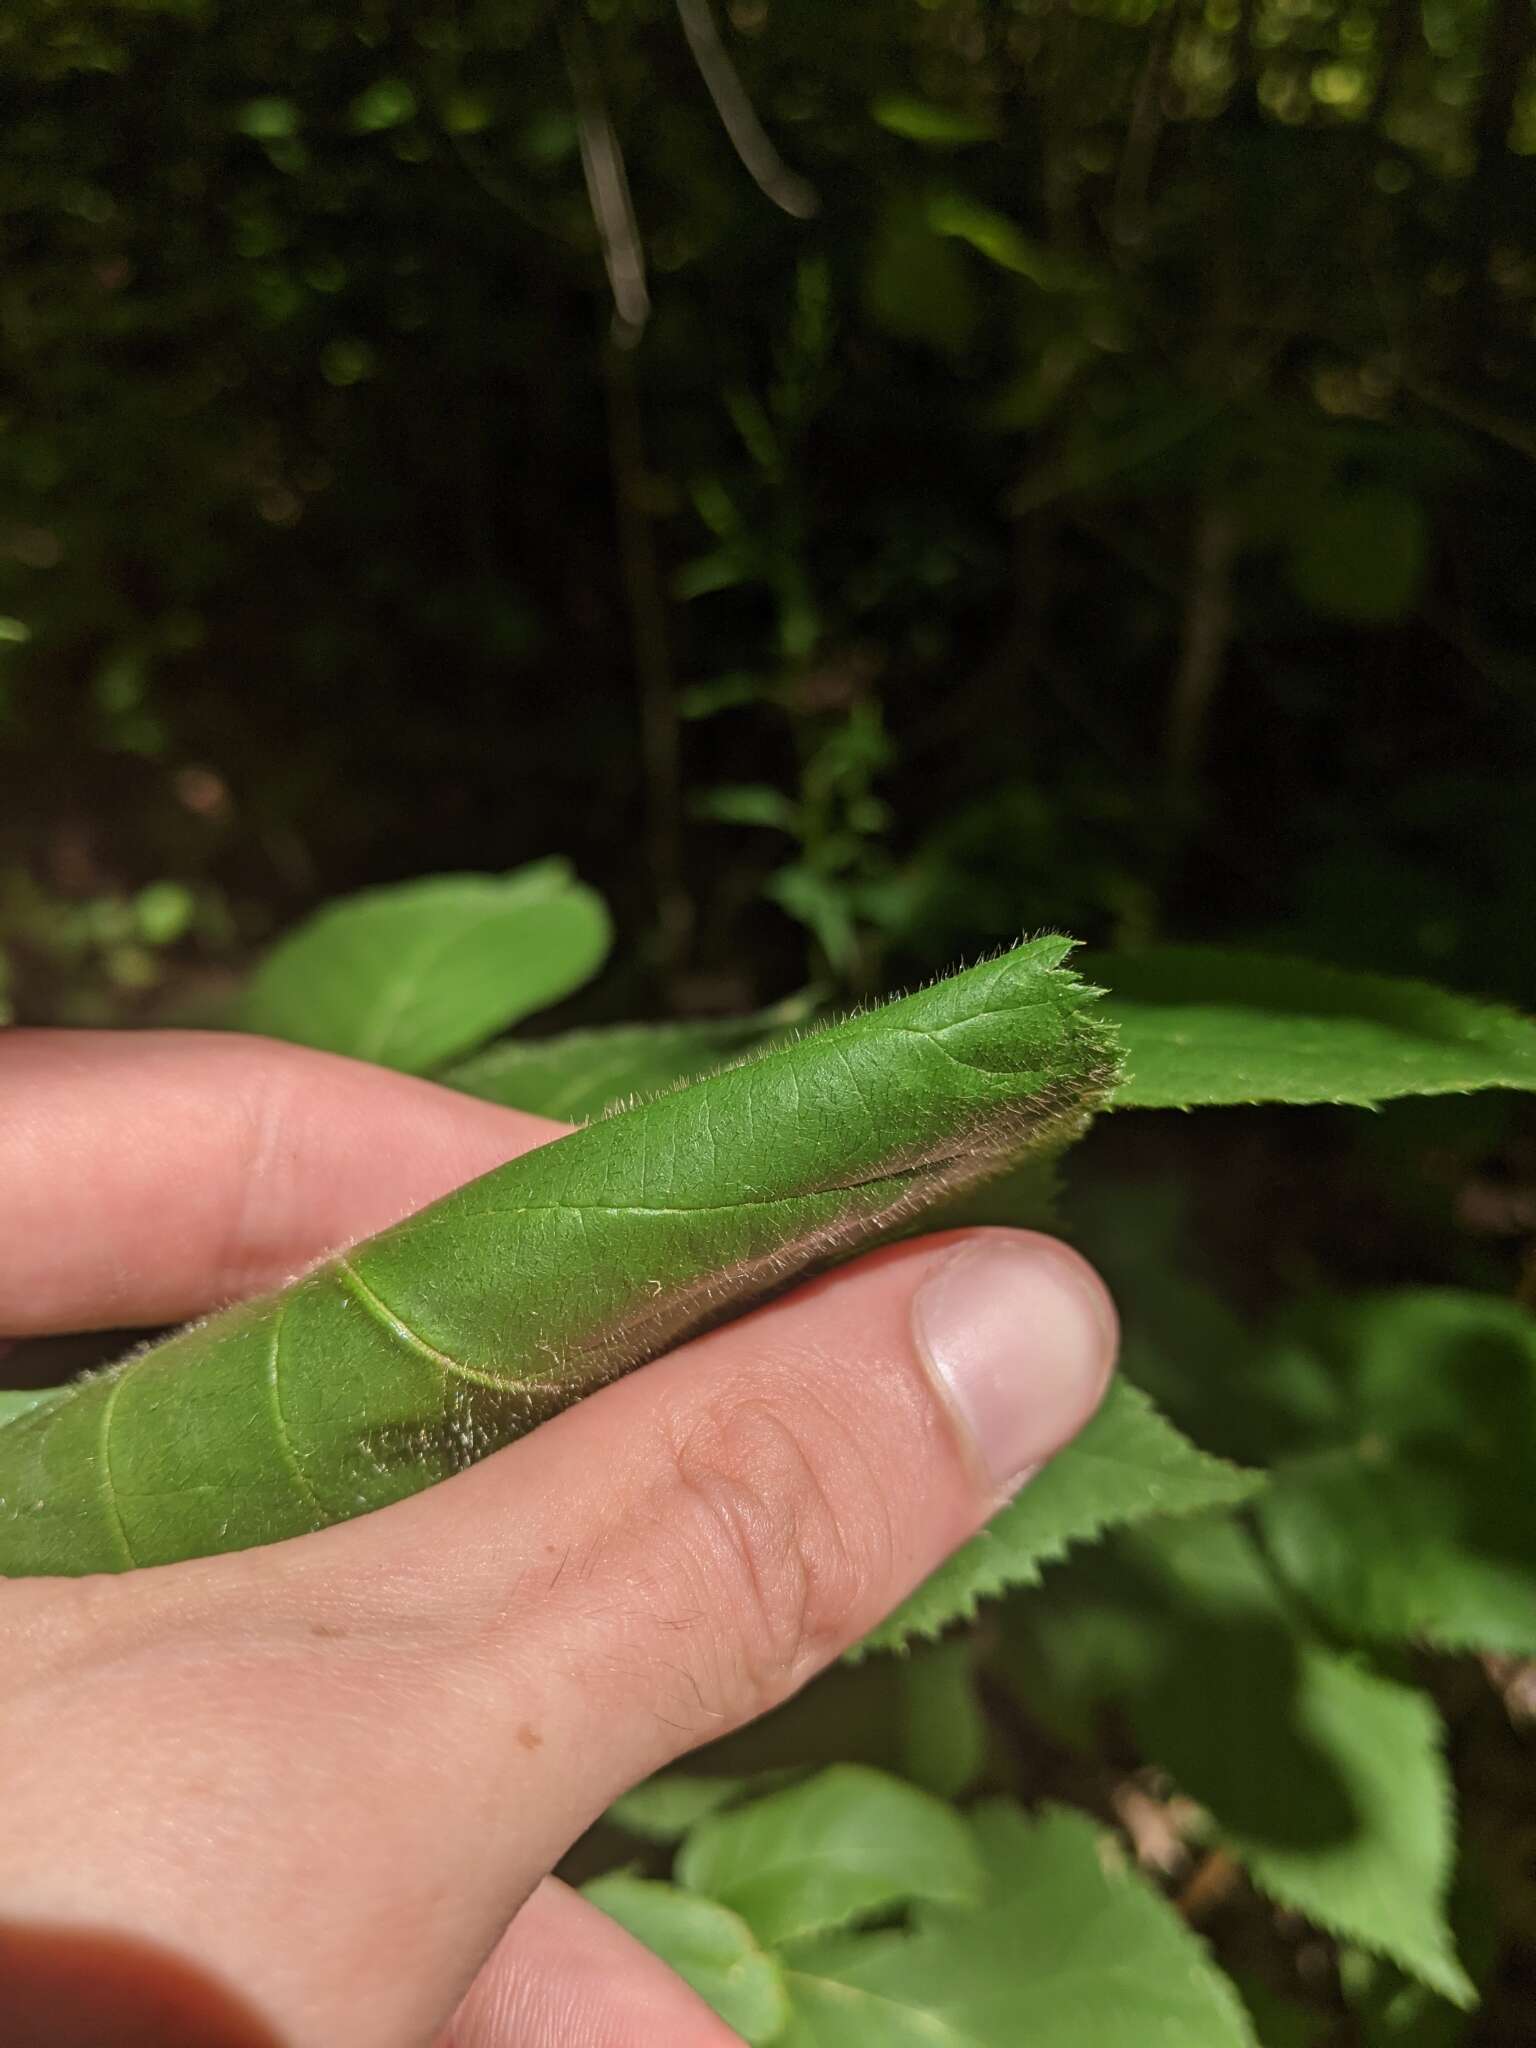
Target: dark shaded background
(1112, 508)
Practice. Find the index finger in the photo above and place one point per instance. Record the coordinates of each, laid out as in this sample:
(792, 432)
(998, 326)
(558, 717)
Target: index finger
(149, 1176)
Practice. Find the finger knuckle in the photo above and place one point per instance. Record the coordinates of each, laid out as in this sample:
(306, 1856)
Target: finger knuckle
(779, 1526)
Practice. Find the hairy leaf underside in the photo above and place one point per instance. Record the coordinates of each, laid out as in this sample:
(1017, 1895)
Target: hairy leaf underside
(412, 1355)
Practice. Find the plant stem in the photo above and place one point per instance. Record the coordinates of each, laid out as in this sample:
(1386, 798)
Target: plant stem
(1204, 642)
(651, 649)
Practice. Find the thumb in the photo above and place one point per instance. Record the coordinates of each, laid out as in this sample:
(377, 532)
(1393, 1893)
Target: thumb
(679, 1553)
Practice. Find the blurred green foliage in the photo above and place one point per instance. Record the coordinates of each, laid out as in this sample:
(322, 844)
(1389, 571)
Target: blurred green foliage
(1003, 462)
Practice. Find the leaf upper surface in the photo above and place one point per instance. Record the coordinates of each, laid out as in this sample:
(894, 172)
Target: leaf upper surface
(1408, 1516)
(847, 1843)
(1205, 1027)
(1129, 1463)
(415, 975)
(1070, 1947)
(710, 1947)
(1326, 1779)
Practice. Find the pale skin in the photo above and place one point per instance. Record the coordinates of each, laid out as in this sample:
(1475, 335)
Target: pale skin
(309, 1796)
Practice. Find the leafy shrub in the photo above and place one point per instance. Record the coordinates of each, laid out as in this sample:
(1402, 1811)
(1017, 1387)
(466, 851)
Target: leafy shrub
(1221, 1655)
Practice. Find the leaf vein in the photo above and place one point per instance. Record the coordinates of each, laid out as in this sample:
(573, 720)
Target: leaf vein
(108, 1489)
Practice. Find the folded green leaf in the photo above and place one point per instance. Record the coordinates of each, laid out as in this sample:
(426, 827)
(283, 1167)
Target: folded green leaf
(1200, 1026)
(847, 1844)
(710, 1947)
(415, 975)
(463, 1327)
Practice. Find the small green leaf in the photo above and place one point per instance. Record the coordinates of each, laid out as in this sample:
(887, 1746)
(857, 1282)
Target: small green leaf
(1071, 1948)
(995, 236)
(926, 121)
(1128, 1463)
(164, 911)
(1327, 1780)
(412, 976)
(1361, 554)
(848, 1843)
(748, 803)
(823, 907)
(1412, 1521)
(664, 1808)
(580, 1074)
(1201, 1026)
(708, 1946)
(268, 120)
(385, 104)
(1382, 1878)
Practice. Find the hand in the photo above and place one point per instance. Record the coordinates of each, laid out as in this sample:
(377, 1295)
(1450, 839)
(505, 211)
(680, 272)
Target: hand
(308, 1796)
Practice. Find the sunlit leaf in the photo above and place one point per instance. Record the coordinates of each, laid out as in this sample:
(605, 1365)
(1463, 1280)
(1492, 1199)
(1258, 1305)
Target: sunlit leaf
(411, 976)
(1128, 1463)
(1071, 1947)
(1203, 1026)
(709, 1947)
(1325, 1779)
(848, 1843)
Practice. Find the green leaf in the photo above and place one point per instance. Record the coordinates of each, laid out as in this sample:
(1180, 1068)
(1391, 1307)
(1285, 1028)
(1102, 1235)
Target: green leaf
(1325, 1779)
(708, 1946)
(944, 1730)
(918, 286)
(664, 1808)
(926, 121)
(1127, 1464)
(1414, 1522)
(749, 803)
(385, 104)
(1382, 1878)
(413, 976)
(268, 120)
(410, 1356)
(847, 1844)
(581, 1074)
(1202, 1026)
(1390, 2009)
(1072, 1947)
(1361, 554)
(995, 236)
(18, 1401)
(822, 906)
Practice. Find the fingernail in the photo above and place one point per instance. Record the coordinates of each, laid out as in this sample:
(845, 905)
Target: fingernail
(1021, 1336)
